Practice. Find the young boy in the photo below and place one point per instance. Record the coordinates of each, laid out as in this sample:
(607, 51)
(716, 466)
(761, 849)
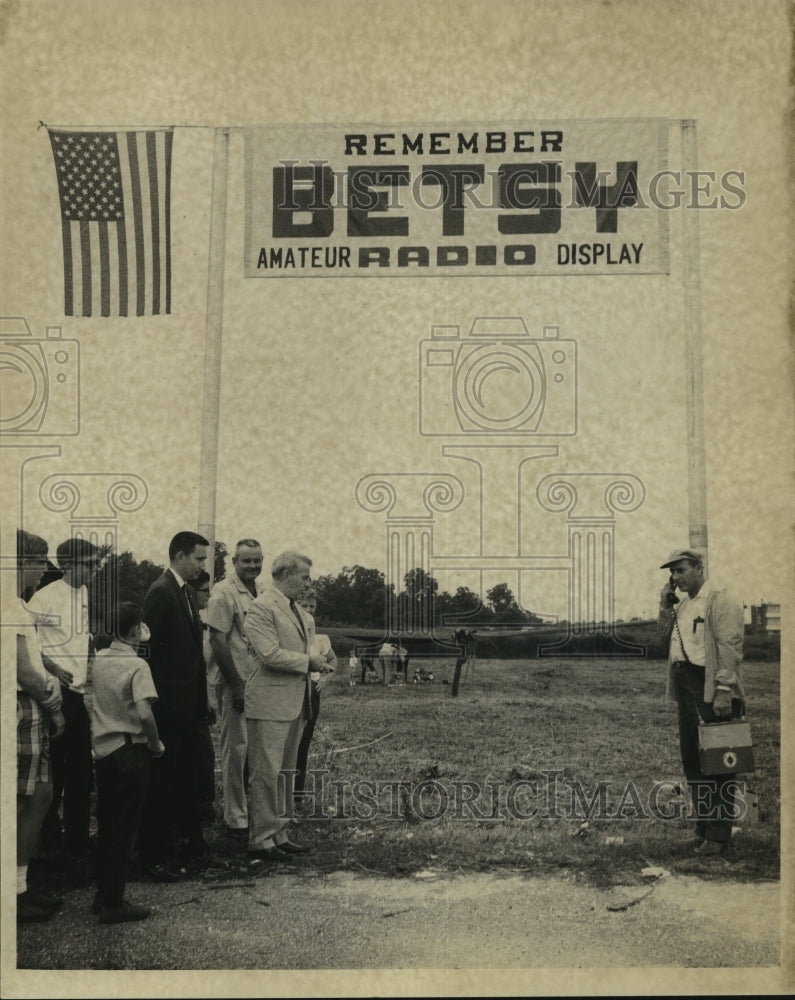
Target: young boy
(124, 739)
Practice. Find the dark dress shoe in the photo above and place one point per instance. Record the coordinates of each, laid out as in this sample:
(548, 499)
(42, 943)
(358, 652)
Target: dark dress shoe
(43, 899)
(163, 873)
(237, 833)
(710, 849)
(288, 847)
(124, 913)
(28, 913)
(269, 854)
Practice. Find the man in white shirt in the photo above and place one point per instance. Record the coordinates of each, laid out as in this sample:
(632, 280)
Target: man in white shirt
(704, 629)
(61, 610)
(229, 602)
(38, 719)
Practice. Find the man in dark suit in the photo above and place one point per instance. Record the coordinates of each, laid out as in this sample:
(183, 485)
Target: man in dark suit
(277, 702)
(176, 659)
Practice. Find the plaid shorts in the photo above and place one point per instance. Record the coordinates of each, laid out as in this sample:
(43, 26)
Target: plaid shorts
(33, 745)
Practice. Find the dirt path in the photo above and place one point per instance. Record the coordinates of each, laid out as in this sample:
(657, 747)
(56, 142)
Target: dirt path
(291, 920)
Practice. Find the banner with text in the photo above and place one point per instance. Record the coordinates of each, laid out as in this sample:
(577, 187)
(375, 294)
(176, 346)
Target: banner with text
(537, 197)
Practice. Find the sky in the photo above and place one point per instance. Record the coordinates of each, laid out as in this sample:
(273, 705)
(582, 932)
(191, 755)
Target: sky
(319, 379)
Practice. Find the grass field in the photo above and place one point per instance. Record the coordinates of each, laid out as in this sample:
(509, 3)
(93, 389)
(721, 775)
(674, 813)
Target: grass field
(537, 765)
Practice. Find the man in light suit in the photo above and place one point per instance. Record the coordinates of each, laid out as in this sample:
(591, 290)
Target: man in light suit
(176, 660)
(277, 702)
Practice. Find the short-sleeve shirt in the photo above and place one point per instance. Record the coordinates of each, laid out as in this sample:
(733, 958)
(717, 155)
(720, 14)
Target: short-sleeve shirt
(27, 629)
(62, 623)
(690, 618)
(121, 680)
(226, 612)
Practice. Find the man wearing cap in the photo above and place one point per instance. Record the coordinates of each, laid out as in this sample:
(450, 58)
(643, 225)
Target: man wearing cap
(704, 629)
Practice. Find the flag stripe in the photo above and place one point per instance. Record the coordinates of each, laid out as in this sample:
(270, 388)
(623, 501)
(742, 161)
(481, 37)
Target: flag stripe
(121, 231)
(68, 277)
(169, 139)
(77, 269)
(115, 199)
(138, 222)
(113, 270)
(93, 268)
(154, 215)
(85, 265)
(104, 269)
(131, 269)
(146, 217)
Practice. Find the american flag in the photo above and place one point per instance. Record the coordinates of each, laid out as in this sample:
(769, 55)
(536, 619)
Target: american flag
(115, 195)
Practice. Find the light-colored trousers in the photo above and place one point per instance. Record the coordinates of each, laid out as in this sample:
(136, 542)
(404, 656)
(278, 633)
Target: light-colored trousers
(233, 744)
(272, 747)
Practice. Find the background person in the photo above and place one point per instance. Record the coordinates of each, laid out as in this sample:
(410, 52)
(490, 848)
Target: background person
(61, 610)
(321, 645)
(704, 630)
(38, 715)
(229, 603)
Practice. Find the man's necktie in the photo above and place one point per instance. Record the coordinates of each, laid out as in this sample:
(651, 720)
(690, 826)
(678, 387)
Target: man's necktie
(187, 600)
(308, 691)
(297, 614)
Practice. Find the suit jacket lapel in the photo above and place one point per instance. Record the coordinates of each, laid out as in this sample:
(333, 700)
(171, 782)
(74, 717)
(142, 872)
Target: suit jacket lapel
(194, 611)
(284, 603)
(181, 596)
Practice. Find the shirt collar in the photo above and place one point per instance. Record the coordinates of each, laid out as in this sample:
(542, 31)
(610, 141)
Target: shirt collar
(176, 576)
(242, 587)
(123, 647)
(704, 591)
(280, 596)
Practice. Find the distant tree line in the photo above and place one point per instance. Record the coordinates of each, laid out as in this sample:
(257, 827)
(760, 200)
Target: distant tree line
(361, 597)
(356, 596)
(123, 578)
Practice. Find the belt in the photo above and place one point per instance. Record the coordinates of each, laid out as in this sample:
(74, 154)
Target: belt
(687, 663)
(129, 741)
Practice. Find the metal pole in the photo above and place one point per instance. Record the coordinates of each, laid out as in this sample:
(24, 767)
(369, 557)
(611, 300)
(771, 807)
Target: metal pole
(208, 468)
(694, 356)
